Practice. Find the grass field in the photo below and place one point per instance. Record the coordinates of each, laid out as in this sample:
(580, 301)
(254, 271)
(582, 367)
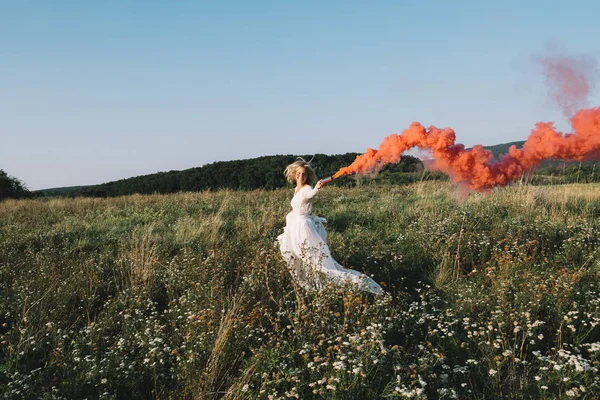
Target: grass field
(186, 296)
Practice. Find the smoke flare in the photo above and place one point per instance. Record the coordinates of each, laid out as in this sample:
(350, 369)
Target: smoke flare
(474, 167)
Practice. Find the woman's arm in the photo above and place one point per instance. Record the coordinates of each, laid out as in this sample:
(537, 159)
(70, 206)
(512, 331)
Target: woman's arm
(309, 193)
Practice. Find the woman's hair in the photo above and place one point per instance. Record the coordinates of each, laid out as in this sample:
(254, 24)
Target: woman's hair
(290, 171)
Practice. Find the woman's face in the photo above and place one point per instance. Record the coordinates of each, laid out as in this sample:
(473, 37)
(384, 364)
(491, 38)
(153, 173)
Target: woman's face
(301, 175)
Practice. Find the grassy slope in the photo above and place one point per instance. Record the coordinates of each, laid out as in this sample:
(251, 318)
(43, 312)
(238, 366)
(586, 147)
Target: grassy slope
(186, 296)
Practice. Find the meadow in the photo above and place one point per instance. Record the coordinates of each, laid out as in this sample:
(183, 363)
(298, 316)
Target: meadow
(185, 296)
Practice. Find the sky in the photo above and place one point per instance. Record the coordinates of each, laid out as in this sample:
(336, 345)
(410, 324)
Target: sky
(92, 92)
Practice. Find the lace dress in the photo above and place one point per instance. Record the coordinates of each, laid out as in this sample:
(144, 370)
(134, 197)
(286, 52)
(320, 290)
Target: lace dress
(303, 245)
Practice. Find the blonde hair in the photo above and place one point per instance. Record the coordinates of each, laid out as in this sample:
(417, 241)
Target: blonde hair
(290, 171)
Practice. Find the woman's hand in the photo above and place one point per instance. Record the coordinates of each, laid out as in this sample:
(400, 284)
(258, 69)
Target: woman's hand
(320, 184)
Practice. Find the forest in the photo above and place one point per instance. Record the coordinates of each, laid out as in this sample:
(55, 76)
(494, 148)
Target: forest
(256, 173)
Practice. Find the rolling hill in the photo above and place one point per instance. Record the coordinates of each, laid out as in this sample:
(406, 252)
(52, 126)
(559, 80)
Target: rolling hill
(266, 173)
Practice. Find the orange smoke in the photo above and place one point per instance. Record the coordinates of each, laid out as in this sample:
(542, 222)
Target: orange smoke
(569, 78)
(473, 167)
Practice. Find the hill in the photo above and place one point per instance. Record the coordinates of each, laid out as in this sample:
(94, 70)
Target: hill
(60, 190)
(499, 149)
(257, 173)
(266, 173)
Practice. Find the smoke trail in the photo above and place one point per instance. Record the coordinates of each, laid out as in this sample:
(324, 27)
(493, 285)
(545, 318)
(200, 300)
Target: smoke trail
(569, 78)
(473, 167)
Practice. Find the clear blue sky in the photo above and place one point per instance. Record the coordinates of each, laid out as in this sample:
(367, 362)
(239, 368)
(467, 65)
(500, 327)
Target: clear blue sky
(94, 91)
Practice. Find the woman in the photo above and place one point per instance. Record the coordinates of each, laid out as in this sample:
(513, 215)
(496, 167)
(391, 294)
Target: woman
(303, 243)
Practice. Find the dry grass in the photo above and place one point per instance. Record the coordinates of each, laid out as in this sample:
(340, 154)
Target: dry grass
(207, 228)
(139, 259)
(214, 381)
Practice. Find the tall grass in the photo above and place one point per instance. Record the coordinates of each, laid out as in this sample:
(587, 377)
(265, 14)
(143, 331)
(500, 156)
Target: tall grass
(186, 296)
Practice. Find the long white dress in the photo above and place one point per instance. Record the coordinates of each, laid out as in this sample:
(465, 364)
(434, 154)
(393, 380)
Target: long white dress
(303, 245)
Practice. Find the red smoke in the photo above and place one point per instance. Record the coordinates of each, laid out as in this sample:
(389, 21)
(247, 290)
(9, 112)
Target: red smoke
(569, 79)
(473, 167)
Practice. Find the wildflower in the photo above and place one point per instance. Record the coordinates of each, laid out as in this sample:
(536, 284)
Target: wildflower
(339, 365)
(492, 372)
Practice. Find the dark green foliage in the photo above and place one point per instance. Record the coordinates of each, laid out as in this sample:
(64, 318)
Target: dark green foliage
(500, 149)
(573, 172)
(60, 191)
(256, 173)
(11, 187)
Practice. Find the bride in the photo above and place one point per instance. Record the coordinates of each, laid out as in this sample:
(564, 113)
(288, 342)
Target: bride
(303, 243)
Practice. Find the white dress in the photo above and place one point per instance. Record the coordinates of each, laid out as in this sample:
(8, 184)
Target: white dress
(303, 245)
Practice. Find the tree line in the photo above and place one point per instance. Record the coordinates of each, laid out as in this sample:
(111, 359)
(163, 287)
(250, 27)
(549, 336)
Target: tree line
(257, 173)
(267, 173)
(12, 188)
